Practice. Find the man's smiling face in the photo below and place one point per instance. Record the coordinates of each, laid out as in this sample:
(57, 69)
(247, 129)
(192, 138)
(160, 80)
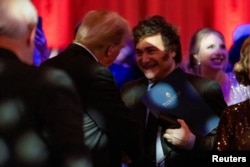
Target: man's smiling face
(153, 59)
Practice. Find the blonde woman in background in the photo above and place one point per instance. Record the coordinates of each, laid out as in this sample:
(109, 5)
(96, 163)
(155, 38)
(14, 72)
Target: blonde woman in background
(208, 57)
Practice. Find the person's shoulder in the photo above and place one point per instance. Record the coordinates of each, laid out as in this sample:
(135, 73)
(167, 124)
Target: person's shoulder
(133, 90)
(50, 72)
(231, 77)
(239, 106)
(56, 77)
(198, 78)
(136, 83)
(202, 83)
(237, 111)
(134, 87)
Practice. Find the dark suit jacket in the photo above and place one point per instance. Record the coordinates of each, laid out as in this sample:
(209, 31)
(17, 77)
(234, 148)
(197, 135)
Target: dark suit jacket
(209, 90)
(110, 129)
(43, 105)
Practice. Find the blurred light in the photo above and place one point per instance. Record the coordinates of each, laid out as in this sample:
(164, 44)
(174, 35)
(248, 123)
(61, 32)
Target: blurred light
(30, 149)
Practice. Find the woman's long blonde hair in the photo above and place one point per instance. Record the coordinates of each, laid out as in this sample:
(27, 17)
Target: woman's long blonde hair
(242, 67)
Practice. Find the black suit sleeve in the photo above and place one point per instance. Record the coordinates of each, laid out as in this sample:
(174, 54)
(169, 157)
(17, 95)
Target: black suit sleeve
(213, 95)
(115, 118)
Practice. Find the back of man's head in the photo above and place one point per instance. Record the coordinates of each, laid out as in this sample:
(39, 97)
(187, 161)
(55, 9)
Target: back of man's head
(100, 28)
(17, 16)
(18, 22)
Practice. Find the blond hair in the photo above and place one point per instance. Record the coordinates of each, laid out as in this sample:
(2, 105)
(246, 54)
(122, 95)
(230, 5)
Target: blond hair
(100, 28)
(194, 46)
(242, 67)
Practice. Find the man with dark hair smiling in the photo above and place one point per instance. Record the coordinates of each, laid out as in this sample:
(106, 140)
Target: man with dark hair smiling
(158, 54)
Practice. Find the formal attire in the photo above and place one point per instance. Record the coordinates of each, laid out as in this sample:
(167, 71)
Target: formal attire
(110, 129)
(233, 132)
(233, 91)
(40, 116)
(132, 93)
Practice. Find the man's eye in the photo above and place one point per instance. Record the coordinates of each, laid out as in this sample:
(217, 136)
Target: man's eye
(151, 51)
(223, 46)
(138, 53)
(210, 46)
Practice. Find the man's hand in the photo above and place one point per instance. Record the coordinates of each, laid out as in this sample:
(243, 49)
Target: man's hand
(181, 137)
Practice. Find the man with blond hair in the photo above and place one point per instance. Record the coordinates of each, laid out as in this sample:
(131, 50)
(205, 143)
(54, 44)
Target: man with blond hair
(98, 41)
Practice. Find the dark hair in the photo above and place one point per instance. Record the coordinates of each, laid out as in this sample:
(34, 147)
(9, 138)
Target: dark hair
(158, 25)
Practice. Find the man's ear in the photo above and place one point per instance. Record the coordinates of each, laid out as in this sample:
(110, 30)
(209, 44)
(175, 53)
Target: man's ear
(110, 50)
(172, 54)
(30, 38)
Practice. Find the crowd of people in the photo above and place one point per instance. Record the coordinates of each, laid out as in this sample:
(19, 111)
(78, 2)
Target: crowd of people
(73, 110)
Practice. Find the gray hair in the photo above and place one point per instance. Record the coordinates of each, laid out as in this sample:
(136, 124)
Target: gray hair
(17, 17)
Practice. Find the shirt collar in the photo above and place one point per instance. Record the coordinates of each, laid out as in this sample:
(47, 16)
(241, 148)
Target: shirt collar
(92, 54)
